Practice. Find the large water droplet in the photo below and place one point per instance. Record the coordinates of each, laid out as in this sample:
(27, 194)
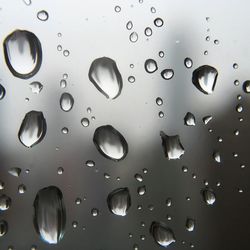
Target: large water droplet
(5, 202)
(204, 78)
(15, 171)
(66, 102)
(105, 76)
(150, 65)
(162, 235)
(3, 227)
(36, 87)
(50, 215)
(110, 143)
(119, 201)
(23, 53)
(172, 146)
(33, 129)
(2, 92)
(189, 119)
(208, 196)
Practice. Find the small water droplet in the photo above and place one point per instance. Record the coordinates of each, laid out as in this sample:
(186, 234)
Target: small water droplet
(207, 119)
(66, 102)
(235, 66)
(131, 79)
(190, 224)
(5, 202)
(85, 122)
(153, 10)
(204, 78)
(32, 129)
(161, 54)
(159, 101)
(141, 190)
(78, 201)
(161, 114)
(216, 156)
(94, 212)
(27, 2)
(66, 53)
(21, 189)
(167, 74)
(43, 15)
(158, 22)
(148, 31)
(216, 42)
(110, 143)
(169, 202)
(150, 66)
(239, 108)
(59, 47)
(2, 92)
(236, 82)
(172, 146)
(138, 177)
(36, 87)
(3, 228)
(117, 9)
(133, 37)
(246, 86)
(63, 83)
(15, 172)
(188, 62)
(74, 224)
(2, 185)
(129, 25)
(60, 170)
(90, 163)
(65, 130)
(189, 119)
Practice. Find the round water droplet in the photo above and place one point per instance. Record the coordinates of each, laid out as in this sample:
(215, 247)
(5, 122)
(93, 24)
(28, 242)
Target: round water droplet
(141, 190)
(153, 10)
(158, 22)
(110, 143)
(161, 114)
(65, 130)
(150, 66)
(167, 74)
(74, 224)
(235, 66)
(208, 196)
(188, 62)
(216, 42)
(85, 122)
(131, 79)
(159, 101)
(161, 54)
(21, 189)
(129, 25)
(59, 47)
(5, 202)
(78, 201)
(3, 228)
(36, 87)
(246, 86)
(117, 8)
(63, 83)
(133, 37)
(43, 15)
(239, 108)
(66, 53)
(66, 102)
(2, 92)
(60, 170)
(95, 212)
(148, 31)
(23, 53)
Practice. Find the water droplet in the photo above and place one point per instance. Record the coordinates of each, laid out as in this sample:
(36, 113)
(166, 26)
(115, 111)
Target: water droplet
(159, 101)
(66, 53)
(131, 79)
(158, 22)
(23, 53)
(205, 52)
(236, 82)
(138, 177)
(184, 169)
(189, 119)
(59, 47)
(78, 201)
(216, 156)
(43, 15)
(89, 110)
(63, 83)
(15, 171)
(207, 119)
(90, 163)
(119, 201)
(21, 189)
(117, 9)
(246, 86)
(207, 38)
(2, 185)
(2, 92)
(172, 146)
(148, 31)
(133, 37)
(235, 66)
(66, 102)
(74, 224)
(188, 63)
(161, 54)
(162, 235)
(36, 87)
(141, 190)
(85, 122)
(216, 42)
(32, 129)
(161, 114)
(94, 212)
(190, 224)
(65, 130)
(208, 196)
(3, 227)
(239, 108)
(60, 170)
(169, 202)
(150, 66)
(5, 202)
(167, 74)
(27, 2)
(153, 10)
(50, 215)
(110, 143)
(204, 78)
(129, 25)
(105, 76)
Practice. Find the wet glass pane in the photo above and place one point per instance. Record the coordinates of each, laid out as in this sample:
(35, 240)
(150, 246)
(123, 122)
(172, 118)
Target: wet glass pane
(124, 124)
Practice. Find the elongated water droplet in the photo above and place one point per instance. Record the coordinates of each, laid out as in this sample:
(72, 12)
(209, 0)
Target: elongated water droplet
(138, 177)
(148, 31)
(133, 37)
(3, 227)
(150, 66)
(189, 119)
(66, 102)
(207, 119)
(141, 190)
(208, 196)
(2, 92)
(43, 15)
(246, 86)
(5, 202)
(216, 156)
(23, 53)
(188, 63)
(33, 129)
(15, 171)
(36, 87)
(21, 189)
(159, 101)
(162, 234)
(129, 25)
(167, 74)
(50, 215)
(190, 223)
(110, 143)
(119, 201)
(172, 146)
(105, 76)
(204, 78)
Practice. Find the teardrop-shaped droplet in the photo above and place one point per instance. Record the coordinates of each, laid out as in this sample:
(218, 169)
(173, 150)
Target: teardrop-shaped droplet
(66, 102)
(105, 76)
(50, 215)
(167, 74)
(33, 129)
(190, 223)
(172, 146)
(119, 201)
(15, 171)
(3, 227)
(150, 66)
(189, 119)
(43, 15)
(208, 196)
(162, 234)
(216, 156)
(188, 63)
(27, 2)
(207, 119)
(22, 189)
(5, 202)
(148, 31)
(133, 37)
(110, 143)
(204, 78)
(141, 190)
(129, 25)
(23, 53)
(2, 92)
(246, 86)
(36, 87)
